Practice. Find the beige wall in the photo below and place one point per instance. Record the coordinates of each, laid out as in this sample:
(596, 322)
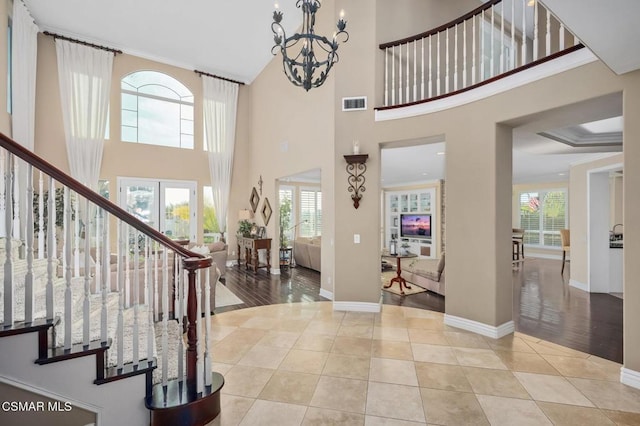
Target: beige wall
(5, 126)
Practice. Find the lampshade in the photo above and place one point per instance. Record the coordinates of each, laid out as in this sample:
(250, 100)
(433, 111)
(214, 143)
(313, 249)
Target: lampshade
(245, 214)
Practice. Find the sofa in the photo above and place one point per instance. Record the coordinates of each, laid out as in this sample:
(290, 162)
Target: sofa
(306, 252)
(218, 252)
(426, 273)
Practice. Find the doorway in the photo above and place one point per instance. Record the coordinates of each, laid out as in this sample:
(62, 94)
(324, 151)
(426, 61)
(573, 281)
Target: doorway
(168, 206)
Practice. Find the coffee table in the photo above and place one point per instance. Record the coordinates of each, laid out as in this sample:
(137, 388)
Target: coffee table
(401, 281)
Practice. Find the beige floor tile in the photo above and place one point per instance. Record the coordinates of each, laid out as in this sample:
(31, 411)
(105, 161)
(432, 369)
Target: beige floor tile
(483, 358)
(390, 349)
(571, 415)
(329, 328)
(323, 417)
(227, 319)
(304, 361)
(351, 346)
(274, 413)
(279, 339)
(385, 421)
(246, 381)
(511, 411)
(465, 340)
(495, 382)
(584, 368)
(232, 410)
(422, 313)
(548, 348)
(228, 352)
(361, 331)
(261, 323)
(347, 366)
(291, 387)
(609, 395)
(442, 376)
(264, 356)
(398, 334)
(219, 332)
(330, 315)
(432, 337)
(220, 367)
(390, 320)
(314, 342)
(395, 401)
(292, 325)
(547, 388)
(526, 337)
(425, 323)
(340, 394)
(452, 408)
(358, 318)
(509, 343)
(393, 371)
(623, 418)
(244, 337)
(526, 362)
(433, 353)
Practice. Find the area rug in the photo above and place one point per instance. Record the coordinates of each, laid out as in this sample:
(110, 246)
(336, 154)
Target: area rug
(225, 297)
(395, 288)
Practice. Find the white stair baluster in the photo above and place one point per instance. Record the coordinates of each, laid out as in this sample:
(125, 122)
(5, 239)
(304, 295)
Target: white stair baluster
(97, 279)
(455, 59)
(512, 61)
(561, 38)
(182, 296)
(535, 31)
(438, 65)
(165, 316)
(386, 77)
(201, 341)
(86, 329)
(3, 199)
(127, 271)
(122, 271)
(136, 296)
(68, 314)
(8, 261)
(156, 293)
(207, 325)
(548, 35)
(408, 85)
(76, 246)
(523, 61)
(415, 70)
(400, 75)
(149, 297)
(482, 48)
(464, 54)
(16, 199)
(430, 68)
(473, 52)
(51, 247)
(422, 79)
(106, 274)
(41, 234)
(28, 279)
(492, 48)
(393, 75)
(502, 58)
(447, 72)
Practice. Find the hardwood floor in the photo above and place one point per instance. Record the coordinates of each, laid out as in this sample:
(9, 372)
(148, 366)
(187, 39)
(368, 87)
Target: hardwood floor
(544, 304)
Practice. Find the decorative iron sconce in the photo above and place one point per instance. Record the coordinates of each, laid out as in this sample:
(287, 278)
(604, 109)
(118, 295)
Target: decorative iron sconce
(356, 167)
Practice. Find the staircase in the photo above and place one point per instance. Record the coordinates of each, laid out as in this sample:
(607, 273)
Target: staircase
(109, 335)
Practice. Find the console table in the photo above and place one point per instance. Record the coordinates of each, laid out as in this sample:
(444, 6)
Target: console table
(251, 247)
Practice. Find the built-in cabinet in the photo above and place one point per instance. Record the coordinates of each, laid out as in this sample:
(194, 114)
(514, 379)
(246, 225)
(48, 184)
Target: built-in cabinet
(414, 208)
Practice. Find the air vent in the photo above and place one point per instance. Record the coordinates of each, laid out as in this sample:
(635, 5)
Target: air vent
(358, 103)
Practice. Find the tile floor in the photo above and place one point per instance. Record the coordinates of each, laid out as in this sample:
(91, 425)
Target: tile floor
(304, 364)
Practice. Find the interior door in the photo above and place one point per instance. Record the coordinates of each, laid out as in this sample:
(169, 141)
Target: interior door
(168, 206)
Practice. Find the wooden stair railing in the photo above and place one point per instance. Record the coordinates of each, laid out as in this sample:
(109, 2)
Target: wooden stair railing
(494, 40)
(141, 249)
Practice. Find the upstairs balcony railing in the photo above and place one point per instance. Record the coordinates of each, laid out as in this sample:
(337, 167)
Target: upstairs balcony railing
(496, 39)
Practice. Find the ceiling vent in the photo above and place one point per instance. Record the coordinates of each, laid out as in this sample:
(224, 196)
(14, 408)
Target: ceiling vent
(358, 103)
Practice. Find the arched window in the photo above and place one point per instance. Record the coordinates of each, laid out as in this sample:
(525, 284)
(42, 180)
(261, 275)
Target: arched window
(156, 109)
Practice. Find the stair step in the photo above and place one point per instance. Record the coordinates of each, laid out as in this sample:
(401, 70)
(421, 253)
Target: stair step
(113, 374)
(78, 350)
(21, 327)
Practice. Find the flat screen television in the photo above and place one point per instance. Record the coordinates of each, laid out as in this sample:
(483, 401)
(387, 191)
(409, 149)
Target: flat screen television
(415, 225)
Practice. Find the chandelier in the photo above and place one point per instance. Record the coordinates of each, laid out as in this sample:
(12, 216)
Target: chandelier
(300, 62)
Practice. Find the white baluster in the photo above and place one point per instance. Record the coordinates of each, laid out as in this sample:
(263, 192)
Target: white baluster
(393, 78)
(548, 35)
(386, 77)
(165, 316)
(180, 288)
(201, 341)
(86, 329)
(127, 269)
(473, 52)
(8, 261)
(41, 253)
(407, 86)
(106, 274)
(455, 60)
(415, 70)
(97, 279)
(146, 300)
(76, 246)
(156, 293)
(28, 279)
(464, 54)
(502, 58)
(438, 65)
(400, 88)
(3, 199)
(524, 33)
(68, 314)
(447, 72)
(149, 298)
(422, 79)
(535, 31)
(561, 38)
(207, 325)
(51, 246)
(122, 271)
(482, 48)
(430, 68)
(16, 199)
(512, 62)
(136, 296)
(492, 48)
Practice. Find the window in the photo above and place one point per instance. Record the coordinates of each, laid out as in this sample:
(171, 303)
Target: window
(211, 230)
(287, 224)
(310, 212)
(156, 109)
(542, 215)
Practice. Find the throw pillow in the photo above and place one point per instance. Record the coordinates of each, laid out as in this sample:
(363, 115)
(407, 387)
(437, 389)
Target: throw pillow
(217, 246)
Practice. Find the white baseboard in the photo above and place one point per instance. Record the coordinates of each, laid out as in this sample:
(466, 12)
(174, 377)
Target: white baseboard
(578, 285)
(275, 271)
(326, 294)
(630, 377)
(356, 307)
(480, 328)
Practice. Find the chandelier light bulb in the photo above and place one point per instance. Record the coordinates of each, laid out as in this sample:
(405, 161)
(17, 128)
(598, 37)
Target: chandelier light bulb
(276, 6)
(342, 14)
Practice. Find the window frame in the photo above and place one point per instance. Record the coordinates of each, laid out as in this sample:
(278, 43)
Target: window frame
(542, 231)
(316, 225)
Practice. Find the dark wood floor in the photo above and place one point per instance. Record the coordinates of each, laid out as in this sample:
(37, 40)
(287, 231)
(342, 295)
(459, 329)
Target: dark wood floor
(544, 305)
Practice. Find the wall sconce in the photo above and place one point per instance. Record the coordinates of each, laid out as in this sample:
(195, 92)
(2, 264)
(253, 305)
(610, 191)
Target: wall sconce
(356, 167)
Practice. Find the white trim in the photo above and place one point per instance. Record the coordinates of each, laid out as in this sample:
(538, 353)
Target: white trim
(544, 256)
(578, 285)
(52, 395)
(326, 294)
(356, 307)
(630, 377)
(480, 328)
(567, 62)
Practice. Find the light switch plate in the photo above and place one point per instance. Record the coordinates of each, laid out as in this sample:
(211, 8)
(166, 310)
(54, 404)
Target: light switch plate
(356, 238)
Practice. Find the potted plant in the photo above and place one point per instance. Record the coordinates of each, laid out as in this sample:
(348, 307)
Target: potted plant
(244, 228)
(285, 221)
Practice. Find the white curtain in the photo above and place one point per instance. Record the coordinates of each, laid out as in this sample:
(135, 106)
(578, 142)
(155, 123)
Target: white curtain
(85, 81)
(220, 108)
(24, 48)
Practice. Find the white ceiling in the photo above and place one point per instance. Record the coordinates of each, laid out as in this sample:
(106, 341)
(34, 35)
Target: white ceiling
(231, 39)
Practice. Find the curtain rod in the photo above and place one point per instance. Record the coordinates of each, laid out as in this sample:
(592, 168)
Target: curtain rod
(218, 77)
(84, 43)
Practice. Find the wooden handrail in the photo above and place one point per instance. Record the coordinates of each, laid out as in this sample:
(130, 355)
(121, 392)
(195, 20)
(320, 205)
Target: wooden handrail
(60, 176)
(443, 27)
